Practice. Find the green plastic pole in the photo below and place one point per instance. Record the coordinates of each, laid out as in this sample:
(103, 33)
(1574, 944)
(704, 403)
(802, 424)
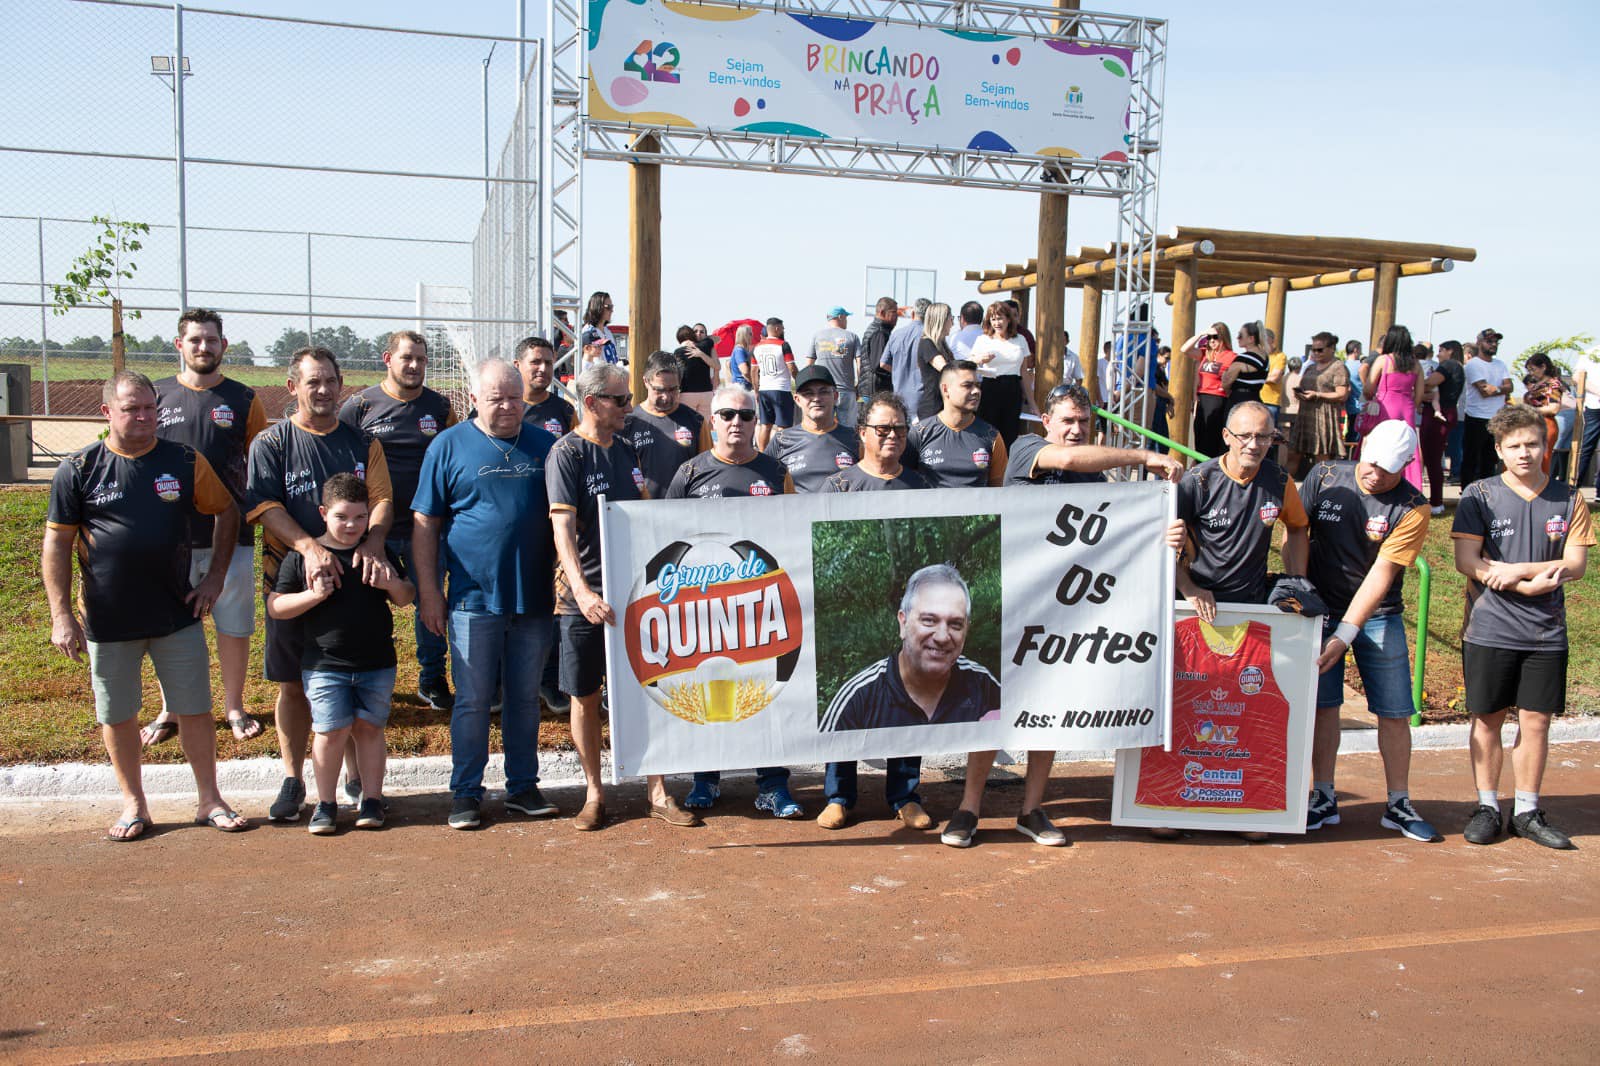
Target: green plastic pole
(1152, 434)
(1424, 597)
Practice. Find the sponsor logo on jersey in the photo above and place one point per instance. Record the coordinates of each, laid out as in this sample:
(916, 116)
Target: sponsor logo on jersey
(1270, 512)
(552, 426)
(1190, 675)
(843, 460)
(638, 479)
(1556, 527)
(1219, 693)
(761, 488)
(168, 487)
(361, 471)
(980, 458)
(1209, 732)
(1196, 774)
(1377, 528)
(222, 416)
(1251, 680)
(684, 436)
(428, 425)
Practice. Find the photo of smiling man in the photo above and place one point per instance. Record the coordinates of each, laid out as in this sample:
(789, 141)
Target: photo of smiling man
(927, 680)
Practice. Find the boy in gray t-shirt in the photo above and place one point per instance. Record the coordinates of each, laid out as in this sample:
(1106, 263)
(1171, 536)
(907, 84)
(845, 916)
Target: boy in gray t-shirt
(1519, 537)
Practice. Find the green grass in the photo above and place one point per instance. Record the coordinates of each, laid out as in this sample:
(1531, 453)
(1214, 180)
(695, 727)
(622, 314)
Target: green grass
(160, 366)
(47, 711)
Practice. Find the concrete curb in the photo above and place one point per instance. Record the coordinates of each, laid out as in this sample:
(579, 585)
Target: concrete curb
(245, 777)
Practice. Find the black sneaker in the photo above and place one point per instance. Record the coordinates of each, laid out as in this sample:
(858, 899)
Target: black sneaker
(436, 694)
(371, 814)
(291, 797)
(1484, 825)
(530, 801)
(959, 830)
(1322, 810)
(558, 703)
(324, 820)
(464, 813)
(1533, 826)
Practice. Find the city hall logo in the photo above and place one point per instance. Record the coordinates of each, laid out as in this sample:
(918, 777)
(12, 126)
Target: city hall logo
(428, 425)
(168, 487)
(1251, 680)
(222, 416)
(713, 629)
(654, 62)
(1074, 95)
(1556, 527)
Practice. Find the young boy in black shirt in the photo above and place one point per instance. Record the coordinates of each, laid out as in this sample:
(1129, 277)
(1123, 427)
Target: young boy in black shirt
(348, 662)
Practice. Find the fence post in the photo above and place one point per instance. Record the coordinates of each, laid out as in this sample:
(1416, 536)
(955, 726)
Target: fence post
(178, 154)
(44, 329)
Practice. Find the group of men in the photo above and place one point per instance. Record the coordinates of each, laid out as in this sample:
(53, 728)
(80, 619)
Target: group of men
(496, 520)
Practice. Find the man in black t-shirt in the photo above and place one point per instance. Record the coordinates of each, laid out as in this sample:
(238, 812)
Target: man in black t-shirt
(217, 417)
(955, 448)
(536, 361)
(405, 416)
(289, 464)
(664, 433)
(126, 503)
(819, 446)
(593, 461)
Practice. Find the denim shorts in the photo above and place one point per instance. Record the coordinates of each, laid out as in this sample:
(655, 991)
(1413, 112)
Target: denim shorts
(338, 698)
(234, 613)
(1383, 662)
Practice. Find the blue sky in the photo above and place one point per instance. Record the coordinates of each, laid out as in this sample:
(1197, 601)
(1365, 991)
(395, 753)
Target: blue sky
(1462, 123)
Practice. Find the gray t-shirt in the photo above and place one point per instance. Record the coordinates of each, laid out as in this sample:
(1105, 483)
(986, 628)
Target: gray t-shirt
(1020, 469)
(812, 458)
(664, 443)
(1516, 529)
(836, 351)
(957, 458)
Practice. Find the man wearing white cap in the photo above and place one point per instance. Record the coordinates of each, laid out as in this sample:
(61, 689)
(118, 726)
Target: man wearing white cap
(1367, 525)
(838, 351)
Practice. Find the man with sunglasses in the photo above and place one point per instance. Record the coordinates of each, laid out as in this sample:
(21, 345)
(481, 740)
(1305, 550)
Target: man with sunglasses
(955, 448)
(593, 460)
(733, 467)
(819, 446)
(664, 432)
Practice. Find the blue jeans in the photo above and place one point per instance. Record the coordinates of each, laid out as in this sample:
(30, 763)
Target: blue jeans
(490, 649)
(1383, 663)
(1452, 448)
(899, 789)
(767, 777)
(1591, 439)
(431, 649)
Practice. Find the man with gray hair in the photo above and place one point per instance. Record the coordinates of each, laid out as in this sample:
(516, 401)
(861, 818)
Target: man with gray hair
(481, 495)
(593, 460)
(900, 356)
(927, 681)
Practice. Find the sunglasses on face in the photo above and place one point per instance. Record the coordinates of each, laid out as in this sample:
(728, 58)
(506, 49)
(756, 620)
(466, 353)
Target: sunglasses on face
(889, 429)
(743, 414)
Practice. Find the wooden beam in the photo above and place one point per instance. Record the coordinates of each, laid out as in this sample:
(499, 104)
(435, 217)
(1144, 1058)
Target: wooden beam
(1385, 298)
(1181, 371)
(1050, 305)
(1102, 267)
(1294, 244)
(644, 262)
(1321, 281)
(1089, 338)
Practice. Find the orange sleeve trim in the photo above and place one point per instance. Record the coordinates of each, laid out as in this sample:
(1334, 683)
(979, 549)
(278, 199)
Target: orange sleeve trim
(449, 416)
(1294, 511)
(1582, 531)
(66, 527)
(567, 507)
(210, 495)
(255, 421)
(255, 513)
(997, 463)
(788, 483)
(379, 487)
(1405, 541)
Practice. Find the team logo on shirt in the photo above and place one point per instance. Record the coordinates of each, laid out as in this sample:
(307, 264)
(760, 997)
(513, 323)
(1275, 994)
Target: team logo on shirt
(1270, 512)
(1555, 527)
(222, 416)
(428, 425)
(638, 479)
(1377, 528)
(361, 471)
(760, 488)
(980, 458)
(683, 436)
(168, 487)
(713, 629)
(1251, 680)
(552, 426)
(844, 459)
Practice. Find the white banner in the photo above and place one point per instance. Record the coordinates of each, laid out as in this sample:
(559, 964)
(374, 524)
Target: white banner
(707, 66)
(805, 629)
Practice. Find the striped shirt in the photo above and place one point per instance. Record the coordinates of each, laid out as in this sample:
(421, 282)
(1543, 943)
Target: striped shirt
(876, 698)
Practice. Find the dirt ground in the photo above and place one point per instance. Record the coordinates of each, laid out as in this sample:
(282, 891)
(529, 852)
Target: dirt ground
(755, 940)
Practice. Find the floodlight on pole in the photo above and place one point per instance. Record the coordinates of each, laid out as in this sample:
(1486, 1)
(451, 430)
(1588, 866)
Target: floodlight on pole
(161, 67)
(1436, 314)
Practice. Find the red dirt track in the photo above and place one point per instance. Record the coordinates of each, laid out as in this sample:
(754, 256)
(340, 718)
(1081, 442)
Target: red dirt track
(753, 940)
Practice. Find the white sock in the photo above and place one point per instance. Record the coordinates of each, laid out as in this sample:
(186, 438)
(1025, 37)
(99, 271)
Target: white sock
(1396, 797)
(1526, 801)
(1489, 798)
(1324, 789)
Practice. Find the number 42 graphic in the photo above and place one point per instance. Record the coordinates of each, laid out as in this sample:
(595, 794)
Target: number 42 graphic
(654, 62)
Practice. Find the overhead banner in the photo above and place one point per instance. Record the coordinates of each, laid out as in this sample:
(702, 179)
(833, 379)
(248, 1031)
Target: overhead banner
(1243, 709)
(805, 629)
(752, 70)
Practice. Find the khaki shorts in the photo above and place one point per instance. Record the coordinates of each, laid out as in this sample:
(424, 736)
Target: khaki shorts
(183, 667)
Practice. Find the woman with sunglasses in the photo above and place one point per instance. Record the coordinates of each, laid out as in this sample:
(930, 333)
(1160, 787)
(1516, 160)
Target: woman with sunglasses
(1321, 392)
(1005, 363)
(1213, 352)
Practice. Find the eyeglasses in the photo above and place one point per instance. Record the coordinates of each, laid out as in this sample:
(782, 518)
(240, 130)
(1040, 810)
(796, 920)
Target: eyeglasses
(1251, 438)
(728, 414)
(620, 399)
(889, 429)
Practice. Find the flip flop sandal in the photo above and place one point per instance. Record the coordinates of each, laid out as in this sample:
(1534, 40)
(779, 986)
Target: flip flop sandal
(246, 726)
(125, 825)
(214, 821)
(158, 733)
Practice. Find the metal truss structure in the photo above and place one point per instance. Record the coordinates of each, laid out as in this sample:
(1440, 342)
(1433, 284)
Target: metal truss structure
(573, 136)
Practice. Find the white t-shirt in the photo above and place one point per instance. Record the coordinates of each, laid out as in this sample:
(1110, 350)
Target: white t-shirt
(1493, 371)
(1008, 355)
(1590, 367)
(1071, 369)
(775, 375)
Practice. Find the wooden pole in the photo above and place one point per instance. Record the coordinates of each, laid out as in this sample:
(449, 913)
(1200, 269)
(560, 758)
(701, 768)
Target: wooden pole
(1277, 304)
(1181, 371)
(1050, 306)
(119, 342)
(1385, 296)
(1089, 338)
(644, 263)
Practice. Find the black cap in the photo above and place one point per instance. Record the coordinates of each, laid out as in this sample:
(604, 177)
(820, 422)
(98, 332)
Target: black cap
(1496, 334)
(813, 373)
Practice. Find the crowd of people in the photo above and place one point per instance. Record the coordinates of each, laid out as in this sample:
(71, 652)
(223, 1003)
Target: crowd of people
(490, 526)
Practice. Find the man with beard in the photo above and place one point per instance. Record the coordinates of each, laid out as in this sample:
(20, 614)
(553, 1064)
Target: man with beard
(536, 360)
(819, 446)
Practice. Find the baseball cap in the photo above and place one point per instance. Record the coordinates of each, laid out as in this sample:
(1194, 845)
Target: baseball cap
(1496, 334)
(1390, 445)
(813, 373)
(838, 312)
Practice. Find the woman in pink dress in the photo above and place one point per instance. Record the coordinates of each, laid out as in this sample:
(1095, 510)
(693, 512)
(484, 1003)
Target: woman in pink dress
(1393, 384)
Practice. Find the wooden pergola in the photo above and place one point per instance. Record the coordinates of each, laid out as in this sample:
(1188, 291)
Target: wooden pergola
(1194, 264)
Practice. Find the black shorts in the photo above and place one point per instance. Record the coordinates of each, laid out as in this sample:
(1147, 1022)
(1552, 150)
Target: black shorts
(583, 655)
(1498, 678)
(283, 643)
(775, 408)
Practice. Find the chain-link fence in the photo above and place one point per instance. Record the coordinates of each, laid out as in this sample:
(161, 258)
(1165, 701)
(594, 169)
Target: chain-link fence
(335, 186)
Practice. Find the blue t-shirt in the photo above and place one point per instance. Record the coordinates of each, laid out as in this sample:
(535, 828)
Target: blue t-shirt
(738, 363)
(498, 551)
